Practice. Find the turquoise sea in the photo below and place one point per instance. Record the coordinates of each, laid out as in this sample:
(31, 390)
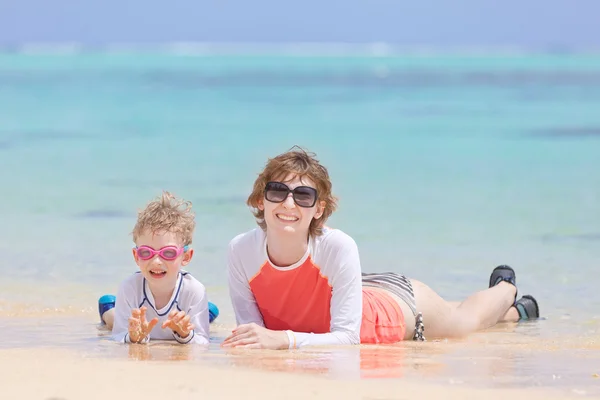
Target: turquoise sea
(446, 165)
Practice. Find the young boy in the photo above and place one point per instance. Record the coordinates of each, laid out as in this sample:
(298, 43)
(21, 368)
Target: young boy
(161, 301)
(295, 282)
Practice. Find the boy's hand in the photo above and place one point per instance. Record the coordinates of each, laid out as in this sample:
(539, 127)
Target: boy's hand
(179, 322)
(139, 328)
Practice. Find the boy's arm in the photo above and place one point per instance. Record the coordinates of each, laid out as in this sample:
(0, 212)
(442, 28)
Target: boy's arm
(123, 306)
(198, 312)
(243, 301)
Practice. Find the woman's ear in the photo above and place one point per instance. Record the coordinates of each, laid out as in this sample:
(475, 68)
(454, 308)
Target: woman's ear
(261, 205)
(320, 209)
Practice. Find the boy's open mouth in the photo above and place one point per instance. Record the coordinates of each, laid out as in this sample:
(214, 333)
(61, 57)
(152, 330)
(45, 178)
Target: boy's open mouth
(157, 273)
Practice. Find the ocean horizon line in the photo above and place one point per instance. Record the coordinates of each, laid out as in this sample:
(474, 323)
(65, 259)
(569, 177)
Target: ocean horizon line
(364, 49)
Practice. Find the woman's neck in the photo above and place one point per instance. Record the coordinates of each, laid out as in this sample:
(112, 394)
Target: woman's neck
(286, 251)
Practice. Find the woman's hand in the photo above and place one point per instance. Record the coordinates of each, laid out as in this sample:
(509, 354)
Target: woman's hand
(253, 336)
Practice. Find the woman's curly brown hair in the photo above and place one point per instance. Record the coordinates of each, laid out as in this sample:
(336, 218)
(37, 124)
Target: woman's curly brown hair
(300, 163)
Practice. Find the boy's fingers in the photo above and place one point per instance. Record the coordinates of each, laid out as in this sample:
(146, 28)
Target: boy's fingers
(178, 316)
(151, 325)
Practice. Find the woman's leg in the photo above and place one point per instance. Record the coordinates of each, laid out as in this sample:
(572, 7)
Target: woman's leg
(512, 315)
(479, 311)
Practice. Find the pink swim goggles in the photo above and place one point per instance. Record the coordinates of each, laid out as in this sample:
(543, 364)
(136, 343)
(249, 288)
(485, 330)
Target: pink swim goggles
(168, 253)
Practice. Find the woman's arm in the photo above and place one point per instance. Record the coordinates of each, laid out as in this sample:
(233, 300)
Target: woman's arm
(243, 301)
(344, 272)
(346, 300)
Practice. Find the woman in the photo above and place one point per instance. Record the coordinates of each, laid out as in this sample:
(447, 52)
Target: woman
(295, 282)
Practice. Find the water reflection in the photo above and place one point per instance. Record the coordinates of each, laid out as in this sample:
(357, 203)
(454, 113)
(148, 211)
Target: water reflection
(510, 355)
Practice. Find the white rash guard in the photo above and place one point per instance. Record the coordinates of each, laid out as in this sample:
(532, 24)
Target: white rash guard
(317, 301)
(189, 295)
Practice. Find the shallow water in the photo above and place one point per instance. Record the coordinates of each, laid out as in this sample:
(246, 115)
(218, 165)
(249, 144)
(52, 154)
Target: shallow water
(508, 356)
(445, 166)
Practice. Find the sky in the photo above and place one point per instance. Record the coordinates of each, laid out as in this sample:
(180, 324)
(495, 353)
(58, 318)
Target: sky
(437, 23)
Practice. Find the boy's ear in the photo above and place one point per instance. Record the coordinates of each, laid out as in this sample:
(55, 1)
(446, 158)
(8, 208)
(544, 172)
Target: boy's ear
(320, 209)
(135, 257)
(187, 257)
(261, 205)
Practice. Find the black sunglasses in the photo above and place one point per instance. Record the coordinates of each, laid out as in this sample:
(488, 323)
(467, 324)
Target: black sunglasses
(304, 196)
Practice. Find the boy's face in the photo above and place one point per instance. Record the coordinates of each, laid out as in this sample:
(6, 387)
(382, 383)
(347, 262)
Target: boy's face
(161, 273)
(287, 217)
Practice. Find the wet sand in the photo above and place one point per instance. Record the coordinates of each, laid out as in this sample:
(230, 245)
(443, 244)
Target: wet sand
(60, 374)
(71, 357)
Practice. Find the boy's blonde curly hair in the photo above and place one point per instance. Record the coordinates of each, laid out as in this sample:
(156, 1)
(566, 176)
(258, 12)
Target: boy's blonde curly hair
(167, 213)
